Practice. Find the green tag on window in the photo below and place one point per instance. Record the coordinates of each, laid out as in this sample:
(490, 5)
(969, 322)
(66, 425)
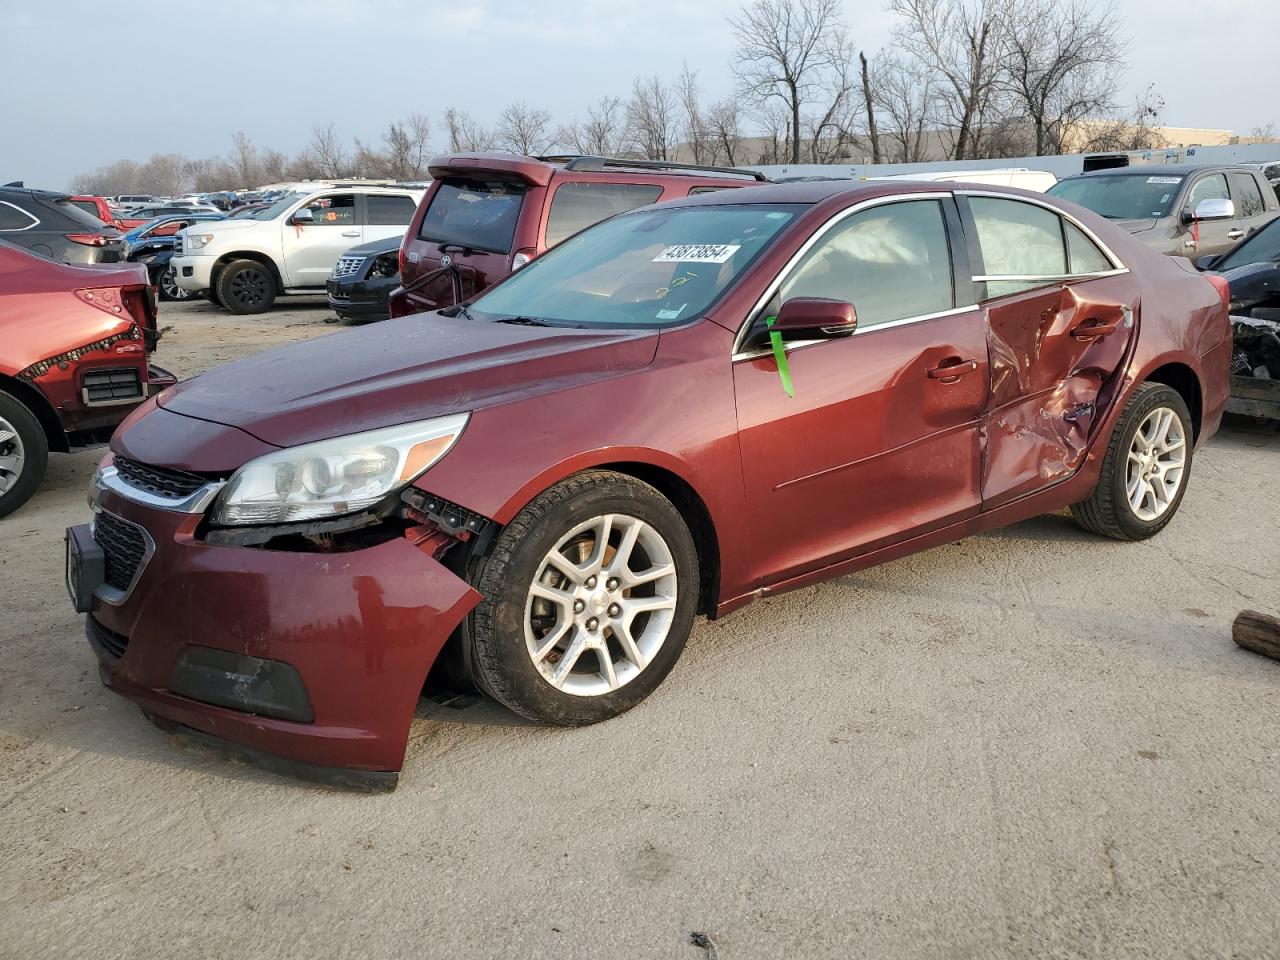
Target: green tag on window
(780, 357)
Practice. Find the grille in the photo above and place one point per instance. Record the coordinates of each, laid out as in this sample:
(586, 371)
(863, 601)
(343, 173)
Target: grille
(111, 386)
(114, 643)
(177, 244)
(346, 266)
(162, 482)
(124, 547)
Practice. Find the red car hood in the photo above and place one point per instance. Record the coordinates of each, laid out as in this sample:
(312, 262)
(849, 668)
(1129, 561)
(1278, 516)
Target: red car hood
(399, 371)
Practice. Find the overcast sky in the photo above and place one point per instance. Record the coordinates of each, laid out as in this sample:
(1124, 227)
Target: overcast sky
(86, 82)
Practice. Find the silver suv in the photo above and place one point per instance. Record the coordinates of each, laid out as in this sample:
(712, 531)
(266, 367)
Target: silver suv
(1182, 211)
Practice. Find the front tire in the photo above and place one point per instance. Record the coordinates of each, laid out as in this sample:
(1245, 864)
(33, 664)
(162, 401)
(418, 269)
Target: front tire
(167, 284)
(590, 594)
(24, 453)
(1145, 472)
(246, 287)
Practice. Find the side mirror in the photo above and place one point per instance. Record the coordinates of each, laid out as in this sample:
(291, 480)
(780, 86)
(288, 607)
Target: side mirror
(1206, 262)
(1214, 209)
(304, 215)
(816, 318)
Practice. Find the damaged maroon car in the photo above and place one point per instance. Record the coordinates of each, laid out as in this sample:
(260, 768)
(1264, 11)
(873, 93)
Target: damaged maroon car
(679, 410)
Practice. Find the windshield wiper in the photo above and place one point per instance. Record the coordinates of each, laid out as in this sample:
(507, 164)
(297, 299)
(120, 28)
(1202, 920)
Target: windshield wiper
(525, 321)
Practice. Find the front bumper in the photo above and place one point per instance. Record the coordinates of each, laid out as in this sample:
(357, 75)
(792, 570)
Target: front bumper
(367, 299)
(193, 272)
(360, 628)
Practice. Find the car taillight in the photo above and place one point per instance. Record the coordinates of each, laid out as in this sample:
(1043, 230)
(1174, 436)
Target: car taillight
(522, 257)
(90, 239)
(1220, 284)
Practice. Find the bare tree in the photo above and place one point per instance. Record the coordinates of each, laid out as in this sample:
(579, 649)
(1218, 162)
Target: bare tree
(523, 130)
(1266, 131)
(465, 134)
(904, 93)
(329, 153)
(652, 127)
(244, 158)
(868, 100)
(724, 125)
(695, 131)
(601, 134)
(785, 51)
(962, 42)
(406, 148)
(1061, 63)
(1139, 131)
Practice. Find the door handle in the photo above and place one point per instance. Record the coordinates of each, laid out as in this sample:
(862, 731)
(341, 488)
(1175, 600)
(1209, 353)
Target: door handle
(351, 233)
(1090, 330)
(1235, 233)
(952, 369)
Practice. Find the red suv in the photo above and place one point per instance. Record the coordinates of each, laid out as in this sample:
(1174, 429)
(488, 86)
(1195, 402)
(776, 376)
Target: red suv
(74, 343)
(488, 214)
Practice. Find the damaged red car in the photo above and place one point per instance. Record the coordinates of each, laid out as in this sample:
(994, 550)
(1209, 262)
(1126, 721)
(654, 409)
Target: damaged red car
(74, 349)
(678, 410)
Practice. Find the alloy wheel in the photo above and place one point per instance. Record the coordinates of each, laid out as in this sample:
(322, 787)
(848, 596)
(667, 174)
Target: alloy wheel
(169, 284)
(601, 605)
(1156, 465)
(11, 456)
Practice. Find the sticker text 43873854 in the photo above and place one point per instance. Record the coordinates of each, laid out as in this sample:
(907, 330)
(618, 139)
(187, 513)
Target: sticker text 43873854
(697, 253)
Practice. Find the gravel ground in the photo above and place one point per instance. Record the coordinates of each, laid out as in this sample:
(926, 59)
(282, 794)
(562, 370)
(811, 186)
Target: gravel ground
(1033, 743)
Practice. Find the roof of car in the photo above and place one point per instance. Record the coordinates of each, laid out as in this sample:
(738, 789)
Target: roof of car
(1159, 169)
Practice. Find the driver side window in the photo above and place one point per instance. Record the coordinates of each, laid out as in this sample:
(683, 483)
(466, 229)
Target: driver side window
(892, 262)
(1212, 187)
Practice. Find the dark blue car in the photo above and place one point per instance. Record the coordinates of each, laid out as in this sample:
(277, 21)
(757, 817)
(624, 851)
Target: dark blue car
(152, 243)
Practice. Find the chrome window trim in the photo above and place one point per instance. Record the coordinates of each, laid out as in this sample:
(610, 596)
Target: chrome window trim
(1047, 277)
(110, 594)
(797, 344)
(110, 479)
(35, 221)
(1117, 264)
(831, 222)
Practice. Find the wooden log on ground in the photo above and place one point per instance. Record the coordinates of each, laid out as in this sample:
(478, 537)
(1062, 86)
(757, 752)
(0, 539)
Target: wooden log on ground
(1257, 632)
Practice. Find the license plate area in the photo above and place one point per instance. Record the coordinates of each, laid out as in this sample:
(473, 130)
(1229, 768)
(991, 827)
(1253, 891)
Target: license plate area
(86, 566)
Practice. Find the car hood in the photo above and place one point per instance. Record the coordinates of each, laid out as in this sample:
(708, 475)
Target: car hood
(399, 371)
(375, 247)
(1137, 226)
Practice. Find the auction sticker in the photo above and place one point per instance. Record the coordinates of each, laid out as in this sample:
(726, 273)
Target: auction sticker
(697, 253)
(1164, 179)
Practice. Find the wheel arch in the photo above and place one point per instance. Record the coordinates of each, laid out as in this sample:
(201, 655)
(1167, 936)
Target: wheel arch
(1181, 377)
(261, 257)
(39, 405)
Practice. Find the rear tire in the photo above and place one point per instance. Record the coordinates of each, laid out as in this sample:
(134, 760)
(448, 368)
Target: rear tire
(246, 287)
(1146, 468)
(24, 453)
(589, 597)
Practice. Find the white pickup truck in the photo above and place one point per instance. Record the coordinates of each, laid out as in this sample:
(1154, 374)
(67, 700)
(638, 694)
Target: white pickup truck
(289, 247)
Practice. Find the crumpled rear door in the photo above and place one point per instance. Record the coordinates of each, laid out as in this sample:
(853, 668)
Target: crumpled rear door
(1057, 358)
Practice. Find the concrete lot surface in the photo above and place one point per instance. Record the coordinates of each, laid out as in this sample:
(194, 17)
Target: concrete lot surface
(1033, 743)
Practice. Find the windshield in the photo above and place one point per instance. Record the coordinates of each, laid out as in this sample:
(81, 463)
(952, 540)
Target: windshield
(653, 268)
(1262, 247)
(1121, 197)
(277, 208)
(474, 213)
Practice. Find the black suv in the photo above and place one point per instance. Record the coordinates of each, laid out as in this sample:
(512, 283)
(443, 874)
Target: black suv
(50, 225)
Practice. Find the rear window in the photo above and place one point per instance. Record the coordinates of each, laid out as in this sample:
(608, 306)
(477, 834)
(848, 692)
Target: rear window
(474, 213)
(577, 206)
(88, 206)
(72, 211)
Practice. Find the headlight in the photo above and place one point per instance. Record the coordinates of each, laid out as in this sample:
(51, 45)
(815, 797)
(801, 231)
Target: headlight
(194, 241)
(334, 477)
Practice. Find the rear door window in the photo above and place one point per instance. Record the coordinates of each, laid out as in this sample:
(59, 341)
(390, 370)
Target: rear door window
(1247, 195)
(1083, 255)
(1022, 244)
(389, 210)
(577, 206)
(474, 213)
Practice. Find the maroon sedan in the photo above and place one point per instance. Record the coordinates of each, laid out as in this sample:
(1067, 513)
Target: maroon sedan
(679, 410)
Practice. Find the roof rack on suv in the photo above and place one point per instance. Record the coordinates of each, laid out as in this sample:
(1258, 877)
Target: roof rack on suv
(575, 161)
